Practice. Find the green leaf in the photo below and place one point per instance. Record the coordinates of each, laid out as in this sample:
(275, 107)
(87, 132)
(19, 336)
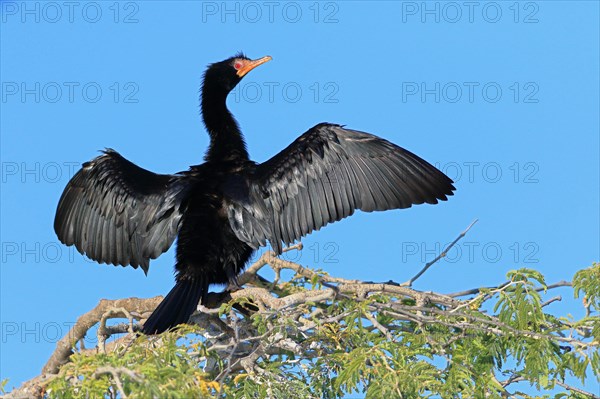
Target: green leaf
(3, 385)
(587, 282)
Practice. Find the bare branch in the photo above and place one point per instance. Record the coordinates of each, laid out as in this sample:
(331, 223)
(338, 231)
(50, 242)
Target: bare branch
(554, 299)
(574, 389)
(379, 326)
(295, 319)
(410, 282)
(64, 347)
(115, 372)
(478, 290)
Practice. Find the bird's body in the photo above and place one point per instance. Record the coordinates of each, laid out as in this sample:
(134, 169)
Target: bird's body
(221, 258)
(208, 251)
(224, 209)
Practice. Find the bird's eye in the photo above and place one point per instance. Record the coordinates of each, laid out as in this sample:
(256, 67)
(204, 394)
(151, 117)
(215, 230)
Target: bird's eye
(237, 65)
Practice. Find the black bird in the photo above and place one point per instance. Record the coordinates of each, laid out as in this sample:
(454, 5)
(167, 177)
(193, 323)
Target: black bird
(224, 209)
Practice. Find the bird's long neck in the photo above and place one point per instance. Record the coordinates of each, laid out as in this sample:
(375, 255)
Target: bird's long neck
(226, 140)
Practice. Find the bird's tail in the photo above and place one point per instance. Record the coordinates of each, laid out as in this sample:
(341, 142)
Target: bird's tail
(177, 307)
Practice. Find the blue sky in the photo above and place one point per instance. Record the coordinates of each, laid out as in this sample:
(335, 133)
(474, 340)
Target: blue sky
(502, 96)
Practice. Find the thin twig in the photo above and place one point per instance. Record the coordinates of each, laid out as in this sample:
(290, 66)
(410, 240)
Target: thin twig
(379, 326)
(410, 282)
(574, 389)
(474, 291)
(518, 378)
(103, 332)
(115, 372)
(554, 299)
(297, 246)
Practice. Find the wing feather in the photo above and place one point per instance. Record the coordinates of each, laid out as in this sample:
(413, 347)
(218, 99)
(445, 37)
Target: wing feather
(116, 212)
(327, 174)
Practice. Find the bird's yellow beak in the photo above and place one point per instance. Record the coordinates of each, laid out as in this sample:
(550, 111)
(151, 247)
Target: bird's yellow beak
(248, 65)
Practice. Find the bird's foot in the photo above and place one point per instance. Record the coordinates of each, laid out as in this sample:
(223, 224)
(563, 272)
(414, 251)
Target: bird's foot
(233, 286)
(203, 309)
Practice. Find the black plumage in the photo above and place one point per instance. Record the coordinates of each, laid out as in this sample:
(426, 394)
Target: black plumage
(222, 210)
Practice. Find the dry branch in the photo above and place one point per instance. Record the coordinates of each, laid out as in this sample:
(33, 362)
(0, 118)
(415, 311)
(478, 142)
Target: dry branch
(236, 340)
(64, 347)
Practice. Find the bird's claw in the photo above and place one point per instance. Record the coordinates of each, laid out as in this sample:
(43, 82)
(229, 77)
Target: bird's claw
(233, 286)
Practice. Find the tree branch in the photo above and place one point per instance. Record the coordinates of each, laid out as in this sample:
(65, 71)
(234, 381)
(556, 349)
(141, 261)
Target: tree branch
(410, 282)
(298, 317)
(64, 347)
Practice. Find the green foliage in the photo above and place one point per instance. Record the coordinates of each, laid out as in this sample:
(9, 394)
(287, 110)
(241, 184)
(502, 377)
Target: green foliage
(587, 282)
(164, 367)
(383, 344)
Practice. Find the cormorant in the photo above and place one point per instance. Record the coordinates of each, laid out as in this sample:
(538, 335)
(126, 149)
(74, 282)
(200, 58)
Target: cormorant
(224, 209)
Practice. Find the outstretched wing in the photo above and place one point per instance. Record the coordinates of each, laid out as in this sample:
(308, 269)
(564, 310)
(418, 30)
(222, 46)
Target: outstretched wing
(116, 212)
(324, 176)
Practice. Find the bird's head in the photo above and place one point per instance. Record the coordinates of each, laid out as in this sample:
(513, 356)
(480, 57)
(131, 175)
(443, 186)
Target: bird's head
(225, 75)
